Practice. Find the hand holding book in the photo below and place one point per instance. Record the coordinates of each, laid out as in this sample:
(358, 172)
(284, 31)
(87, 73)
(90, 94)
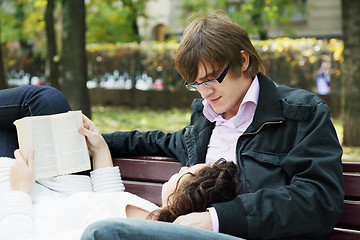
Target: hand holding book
(96, 144)
(22, 175)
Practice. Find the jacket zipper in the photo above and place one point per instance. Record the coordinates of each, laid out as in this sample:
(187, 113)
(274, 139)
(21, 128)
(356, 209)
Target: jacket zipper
(253, 133)
(258, 130)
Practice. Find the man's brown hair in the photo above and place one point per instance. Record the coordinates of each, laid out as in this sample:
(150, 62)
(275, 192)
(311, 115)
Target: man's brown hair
(214, 40)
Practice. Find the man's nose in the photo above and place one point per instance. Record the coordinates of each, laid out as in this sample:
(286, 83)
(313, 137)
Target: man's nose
(205, 92)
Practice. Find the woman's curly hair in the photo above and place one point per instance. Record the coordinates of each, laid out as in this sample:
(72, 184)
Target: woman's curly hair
(215, 183)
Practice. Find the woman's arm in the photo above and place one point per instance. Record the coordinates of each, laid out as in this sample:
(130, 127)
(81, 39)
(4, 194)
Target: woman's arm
(96, 145)
(22, 175)
(104, 178)
(16, 213)
(136, 212)
(16, 216)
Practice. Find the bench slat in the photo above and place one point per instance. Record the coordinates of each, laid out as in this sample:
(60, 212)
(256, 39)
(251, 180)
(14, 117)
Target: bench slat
(351, 167)
(149, 191)
(157, 170)
(351, 216)
(339, 234)
(352, 186)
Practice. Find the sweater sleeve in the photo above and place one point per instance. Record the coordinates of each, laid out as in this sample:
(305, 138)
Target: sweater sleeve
(107, 180)
(16, 216)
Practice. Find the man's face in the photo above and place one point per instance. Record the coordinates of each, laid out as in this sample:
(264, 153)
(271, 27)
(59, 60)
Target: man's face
(225, 97)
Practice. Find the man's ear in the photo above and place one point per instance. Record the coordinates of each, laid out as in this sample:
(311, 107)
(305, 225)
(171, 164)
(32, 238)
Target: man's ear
(245, 59)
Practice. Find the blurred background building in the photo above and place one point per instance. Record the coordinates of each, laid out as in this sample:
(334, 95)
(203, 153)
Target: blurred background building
(311, 18)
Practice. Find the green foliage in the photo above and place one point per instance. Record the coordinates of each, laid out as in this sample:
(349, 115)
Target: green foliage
(23, 21)
(11, 24)
(256, 16)
(7, 21)
(108, 22)
(113, 21)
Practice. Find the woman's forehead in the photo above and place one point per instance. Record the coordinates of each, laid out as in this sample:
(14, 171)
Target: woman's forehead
(196, 167)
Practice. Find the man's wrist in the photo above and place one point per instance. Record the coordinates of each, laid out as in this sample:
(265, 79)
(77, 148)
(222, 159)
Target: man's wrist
(214, 219)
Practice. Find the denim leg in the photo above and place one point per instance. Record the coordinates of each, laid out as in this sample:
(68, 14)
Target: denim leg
(126, 228)
(19, 102)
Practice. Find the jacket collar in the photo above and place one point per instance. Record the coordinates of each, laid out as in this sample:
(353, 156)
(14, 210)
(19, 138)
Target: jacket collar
(268, 108)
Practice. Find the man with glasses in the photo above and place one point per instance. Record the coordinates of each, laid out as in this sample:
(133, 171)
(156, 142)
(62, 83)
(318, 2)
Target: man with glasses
(282, 139)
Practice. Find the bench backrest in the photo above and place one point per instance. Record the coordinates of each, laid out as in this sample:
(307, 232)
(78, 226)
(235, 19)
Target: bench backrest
(145, 175)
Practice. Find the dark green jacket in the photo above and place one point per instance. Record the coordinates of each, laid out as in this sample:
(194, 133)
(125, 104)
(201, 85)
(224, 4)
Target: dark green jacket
(290, 159)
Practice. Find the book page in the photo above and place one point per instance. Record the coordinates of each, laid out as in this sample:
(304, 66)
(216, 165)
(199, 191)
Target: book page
(72, 152)
(44, 148)
(36, 133)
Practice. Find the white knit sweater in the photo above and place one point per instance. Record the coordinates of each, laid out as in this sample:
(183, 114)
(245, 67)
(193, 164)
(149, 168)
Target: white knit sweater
(61, 207)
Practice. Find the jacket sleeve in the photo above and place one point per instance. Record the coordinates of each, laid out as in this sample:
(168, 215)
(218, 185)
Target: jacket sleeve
(312, 199)
(150, 143)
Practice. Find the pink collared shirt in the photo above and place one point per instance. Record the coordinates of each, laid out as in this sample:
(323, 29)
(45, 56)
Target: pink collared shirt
(224, 137)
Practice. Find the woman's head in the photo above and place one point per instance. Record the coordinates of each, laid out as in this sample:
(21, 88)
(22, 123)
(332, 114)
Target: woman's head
(214, 39)
(197, 188)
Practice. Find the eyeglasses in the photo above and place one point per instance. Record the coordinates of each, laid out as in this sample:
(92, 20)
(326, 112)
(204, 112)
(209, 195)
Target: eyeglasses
(209, 83)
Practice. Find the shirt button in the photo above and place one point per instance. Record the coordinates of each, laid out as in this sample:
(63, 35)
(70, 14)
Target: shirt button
(226, 148)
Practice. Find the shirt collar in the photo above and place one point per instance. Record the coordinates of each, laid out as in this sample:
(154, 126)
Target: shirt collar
(251, 96)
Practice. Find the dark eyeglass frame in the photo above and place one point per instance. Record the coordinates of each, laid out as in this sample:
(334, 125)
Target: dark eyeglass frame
(194, 86)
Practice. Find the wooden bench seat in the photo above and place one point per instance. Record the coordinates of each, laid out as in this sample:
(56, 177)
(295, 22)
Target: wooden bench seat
(145, 175)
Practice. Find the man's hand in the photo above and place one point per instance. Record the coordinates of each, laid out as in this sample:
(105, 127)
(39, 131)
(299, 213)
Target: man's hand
(22, 174)
(197, 219)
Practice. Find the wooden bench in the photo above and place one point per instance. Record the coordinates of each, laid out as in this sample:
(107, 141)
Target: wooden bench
(144, 177)
(348, 228)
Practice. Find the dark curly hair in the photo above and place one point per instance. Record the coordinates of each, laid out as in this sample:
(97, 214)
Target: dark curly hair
(215, 183)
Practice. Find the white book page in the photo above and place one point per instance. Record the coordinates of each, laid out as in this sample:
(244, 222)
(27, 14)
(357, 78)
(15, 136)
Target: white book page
(36, 133)
(44, 147)
(71, 148)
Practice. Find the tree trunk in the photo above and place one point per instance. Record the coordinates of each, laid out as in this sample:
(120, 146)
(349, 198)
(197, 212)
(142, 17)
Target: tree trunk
(51, 70)
(351, 72)
(74, 66)
(257, 19)
(3, 83)
(133, 18)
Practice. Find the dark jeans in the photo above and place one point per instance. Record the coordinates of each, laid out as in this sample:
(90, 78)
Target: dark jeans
(19, 102)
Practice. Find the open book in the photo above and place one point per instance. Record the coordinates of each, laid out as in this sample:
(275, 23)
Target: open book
(59, 147)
